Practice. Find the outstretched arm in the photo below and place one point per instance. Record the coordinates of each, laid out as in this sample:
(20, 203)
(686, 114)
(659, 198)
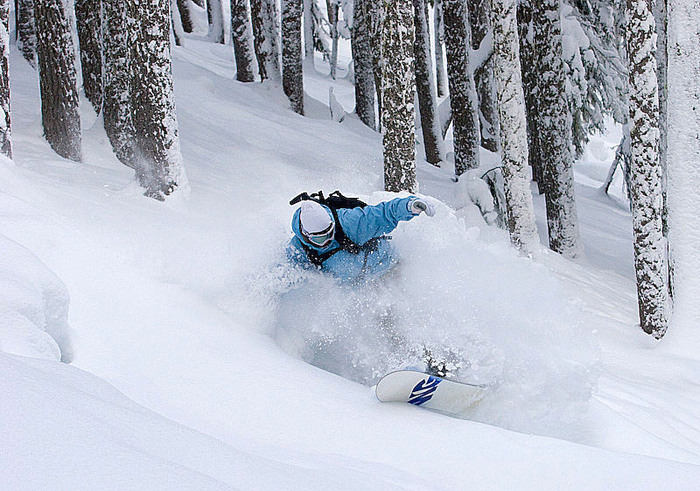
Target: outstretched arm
(363, 224)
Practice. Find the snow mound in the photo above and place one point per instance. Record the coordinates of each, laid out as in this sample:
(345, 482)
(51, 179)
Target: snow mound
(492, 316)
(33, 306)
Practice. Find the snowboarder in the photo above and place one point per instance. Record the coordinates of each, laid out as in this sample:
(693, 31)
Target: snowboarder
(349, 242)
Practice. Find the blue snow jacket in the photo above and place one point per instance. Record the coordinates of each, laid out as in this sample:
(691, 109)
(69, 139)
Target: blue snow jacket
(360, 226)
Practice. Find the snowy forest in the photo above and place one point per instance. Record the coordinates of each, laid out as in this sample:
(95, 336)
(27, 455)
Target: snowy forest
(153, 334)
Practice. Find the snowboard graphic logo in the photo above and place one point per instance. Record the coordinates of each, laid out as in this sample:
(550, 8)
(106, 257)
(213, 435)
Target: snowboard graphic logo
(424, 390)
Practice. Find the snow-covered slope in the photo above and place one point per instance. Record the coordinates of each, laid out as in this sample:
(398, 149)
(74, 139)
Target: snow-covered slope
(190, 336)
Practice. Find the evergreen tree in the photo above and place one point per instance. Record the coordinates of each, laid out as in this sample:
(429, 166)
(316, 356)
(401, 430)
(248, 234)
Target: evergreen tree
(242, 38)
(57, 79)
(439, 42)
(333, 14)
(185, 11)
(554, 131)
(398, 95)
(425, 85)
(480, 23)
(117, 105)
(463, 100)
(266, 31)
(26, 30)
(159, 165)
(649, 244)
(374, 17)
(362, 61)
(5, 120)
(88, 15)
(215, 16)
(520, 215)
(308, 31)
(292, 74)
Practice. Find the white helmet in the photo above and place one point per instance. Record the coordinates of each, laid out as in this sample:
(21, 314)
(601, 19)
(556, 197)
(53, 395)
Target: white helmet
(317, 226)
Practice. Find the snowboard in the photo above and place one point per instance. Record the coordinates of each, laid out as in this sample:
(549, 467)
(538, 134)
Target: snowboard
(429, 391)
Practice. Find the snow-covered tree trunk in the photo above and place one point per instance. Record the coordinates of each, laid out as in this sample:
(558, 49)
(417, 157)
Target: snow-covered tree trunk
(184, 8)
(520, 215)
(425, 86)
(463, 99)
(266, 31)
(308, 32)
(5, 120)
(649, 243)
(242, 39)
(26, 30)
(57, 78)
(528, 63)
(374, 19)
(176, 24)
(660, 14)
(159, 165)
(362, 60)
(215, 16)
(683, 164)
(333, 10)
(398, 95)
(292, 74)
(117, 105)
(554, 131)
(439, 42)
(88, 15)
(480, 23)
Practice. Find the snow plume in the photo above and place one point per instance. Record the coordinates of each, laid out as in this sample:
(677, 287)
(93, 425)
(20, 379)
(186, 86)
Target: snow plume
(493, 317)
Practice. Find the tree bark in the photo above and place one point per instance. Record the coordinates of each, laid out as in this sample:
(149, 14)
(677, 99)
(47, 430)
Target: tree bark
(520, 215)
(215, 16)
(242, 39)
(26, 31)
(439, 41)
(88, 15)
(398, 94)
(463, 100)
(57, 79)
(292, 73)
(183, 7)
(266, 31)
(5, 119)
(362, 58)
(374, 17)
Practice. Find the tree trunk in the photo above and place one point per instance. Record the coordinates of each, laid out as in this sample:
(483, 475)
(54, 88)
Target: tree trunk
(292, 73)
(439, 41)
(425, 85)
(308, 32)
(398, 94)
(26, 31)
(183, 7)
(479, 11)
(242, 38)
(374, 17)
(463, 100)
(88, 15)
(5, 120)
(117, 104)
(57, 79)
(683, 165)
(159, 166)
(215, 16)
(554, 131)
(362, 59)
(332, 9)
(266, 31)
(520, 215)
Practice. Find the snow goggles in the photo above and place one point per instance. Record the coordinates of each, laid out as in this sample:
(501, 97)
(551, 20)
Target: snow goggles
(322, 238)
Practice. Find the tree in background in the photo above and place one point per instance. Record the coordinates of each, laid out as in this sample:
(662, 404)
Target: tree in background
(215, 17)
(479, 13)
(373, 11)
(333, 10)
(159, 167)
(5, 120)
(425, 85)
(292, 73)
(185, 10)
(520, 215)
(553, 125)
(26, 30)
(242, 40)
(439, 42)
(362, 62)
(463, 99)
(88, 15)
(398, 96)
(57, 79)
(266, 32)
